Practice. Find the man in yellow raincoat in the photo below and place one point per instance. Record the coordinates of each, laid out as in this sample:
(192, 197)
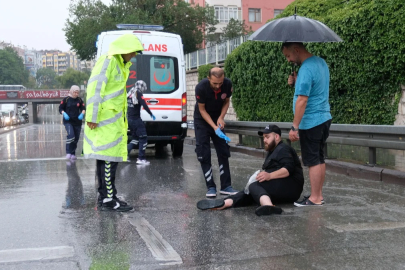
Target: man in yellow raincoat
(105, 136)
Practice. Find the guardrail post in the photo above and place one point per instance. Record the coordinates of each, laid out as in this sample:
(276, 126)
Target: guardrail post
(216, 54)
(227, 48)
(372, 156)
(189, 61)
(206, 55)
(240, 139)
(261, 143)
(198, 62)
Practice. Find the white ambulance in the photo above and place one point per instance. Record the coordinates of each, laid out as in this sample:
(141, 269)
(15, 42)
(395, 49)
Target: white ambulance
(162, 67)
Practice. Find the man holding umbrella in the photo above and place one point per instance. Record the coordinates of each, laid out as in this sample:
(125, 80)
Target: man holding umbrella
(312, 118)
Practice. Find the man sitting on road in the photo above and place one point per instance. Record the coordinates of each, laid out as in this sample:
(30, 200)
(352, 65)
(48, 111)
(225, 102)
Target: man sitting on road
(281, 180)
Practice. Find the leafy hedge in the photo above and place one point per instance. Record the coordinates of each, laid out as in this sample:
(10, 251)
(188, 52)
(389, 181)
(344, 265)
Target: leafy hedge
(203, 71)
(366, 69)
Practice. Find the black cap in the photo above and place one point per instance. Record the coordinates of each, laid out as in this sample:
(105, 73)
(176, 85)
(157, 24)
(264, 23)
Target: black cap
(269, 129)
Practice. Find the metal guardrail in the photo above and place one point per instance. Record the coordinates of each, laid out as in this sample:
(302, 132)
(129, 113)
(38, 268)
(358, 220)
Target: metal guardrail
(213, 54)
(371, 136)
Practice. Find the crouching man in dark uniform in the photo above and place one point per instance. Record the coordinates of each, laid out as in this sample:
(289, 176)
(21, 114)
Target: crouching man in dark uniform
(213, 98)
(280, 181)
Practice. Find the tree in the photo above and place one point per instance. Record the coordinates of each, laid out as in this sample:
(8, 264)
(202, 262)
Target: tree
(12, 69)
(47, 78)
(90, 17)
(234, 29)
(72, 77)
(32, 83)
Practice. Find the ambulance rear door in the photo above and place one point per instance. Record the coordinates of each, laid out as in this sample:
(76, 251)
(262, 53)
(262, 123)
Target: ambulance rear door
(159, 66)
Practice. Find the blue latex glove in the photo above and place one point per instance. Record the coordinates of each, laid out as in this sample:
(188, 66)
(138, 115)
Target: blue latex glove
(220, 134)
(153, 117)
(66, 116)
(81, 116)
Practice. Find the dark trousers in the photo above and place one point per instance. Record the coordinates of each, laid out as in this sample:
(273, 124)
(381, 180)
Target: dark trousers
(203, 134)
(283, 190)
(106, 178)
(139, 136)
(73, 135)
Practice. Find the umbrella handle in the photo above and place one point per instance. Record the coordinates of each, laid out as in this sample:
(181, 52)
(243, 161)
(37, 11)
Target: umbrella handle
(292, 74)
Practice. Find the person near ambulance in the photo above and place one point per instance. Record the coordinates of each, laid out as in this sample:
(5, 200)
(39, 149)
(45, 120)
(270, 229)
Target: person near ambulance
(136, 125)
(72, 108)
(105, 135)
(213, 98)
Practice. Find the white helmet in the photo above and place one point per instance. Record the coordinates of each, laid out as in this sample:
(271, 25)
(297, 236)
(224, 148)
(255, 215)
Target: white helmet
(140, 86)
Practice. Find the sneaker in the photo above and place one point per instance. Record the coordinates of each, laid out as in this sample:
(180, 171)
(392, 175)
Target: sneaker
(113, 205)
(306, 202)
(211, 193)
(68, 156)
(266, 210)
(306, 197)
(228, 191)
(117, 199)
(120, 201)
(142, 162)
(73, 157)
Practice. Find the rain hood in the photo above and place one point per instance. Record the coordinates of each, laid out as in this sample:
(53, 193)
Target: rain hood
(127, 43)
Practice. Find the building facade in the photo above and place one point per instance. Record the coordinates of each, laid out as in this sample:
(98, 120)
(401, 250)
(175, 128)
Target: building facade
(255, 13)
(60, 61)
(32, 61)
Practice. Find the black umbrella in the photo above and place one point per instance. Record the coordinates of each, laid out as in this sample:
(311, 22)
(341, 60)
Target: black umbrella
(295, 29)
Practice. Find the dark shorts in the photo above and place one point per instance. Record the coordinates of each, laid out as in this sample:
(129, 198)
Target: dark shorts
(312, 143)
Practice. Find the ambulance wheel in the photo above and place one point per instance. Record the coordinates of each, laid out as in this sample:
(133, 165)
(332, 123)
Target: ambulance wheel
(177, 148)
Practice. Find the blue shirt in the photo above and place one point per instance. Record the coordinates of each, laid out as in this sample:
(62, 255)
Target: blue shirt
(313, 82)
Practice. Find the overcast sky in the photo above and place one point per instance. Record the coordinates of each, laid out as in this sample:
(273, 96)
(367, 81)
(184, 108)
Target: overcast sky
(36, 24)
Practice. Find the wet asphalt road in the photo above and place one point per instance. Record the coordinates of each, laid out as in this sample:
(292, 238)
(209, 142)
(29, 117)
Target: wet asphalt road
(49, 221)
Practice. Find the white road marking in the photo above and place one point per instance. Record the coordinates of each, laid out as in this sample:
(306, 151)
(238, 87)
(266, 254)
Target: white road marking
(367, 226)
(160, 248)
(35, 254)
(34, 159)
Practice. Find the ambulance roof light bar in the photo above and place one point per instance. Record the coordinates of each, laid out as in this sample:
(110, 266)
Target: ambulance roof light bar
(140, 27)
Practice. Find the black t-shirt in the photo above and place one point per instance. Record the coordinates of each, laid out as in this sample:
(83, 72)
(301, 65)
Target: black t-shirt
(134, 110)
(73, 107)
(213, 100)
(284, 156)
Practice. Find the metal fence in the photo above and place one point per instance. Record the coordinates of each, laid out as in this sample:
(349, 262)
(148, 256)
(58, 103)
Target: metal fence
(213, 54)
(371, 136)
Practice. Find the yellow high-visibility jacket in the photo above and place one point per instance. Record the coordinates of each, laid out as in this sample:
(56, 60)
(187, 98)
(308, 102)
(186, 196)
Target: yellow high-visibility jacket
(107, 103)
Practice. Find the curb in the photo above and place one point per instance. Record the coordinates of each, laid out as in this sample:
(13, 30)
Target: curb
(350, 169)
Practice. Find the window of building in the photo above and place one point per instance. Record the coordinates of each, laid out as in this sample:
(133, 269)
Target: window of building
(224, 14)
(278, 12)
(255, 15)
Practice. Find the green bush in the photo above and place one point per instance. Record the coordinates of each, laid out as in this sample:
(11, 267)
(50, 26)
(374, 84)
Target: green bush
(203, 71)
(366, 69)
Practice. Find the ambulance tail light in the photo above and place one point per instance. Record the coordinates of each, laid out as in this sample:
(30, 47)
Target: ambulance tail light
(184, 107)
